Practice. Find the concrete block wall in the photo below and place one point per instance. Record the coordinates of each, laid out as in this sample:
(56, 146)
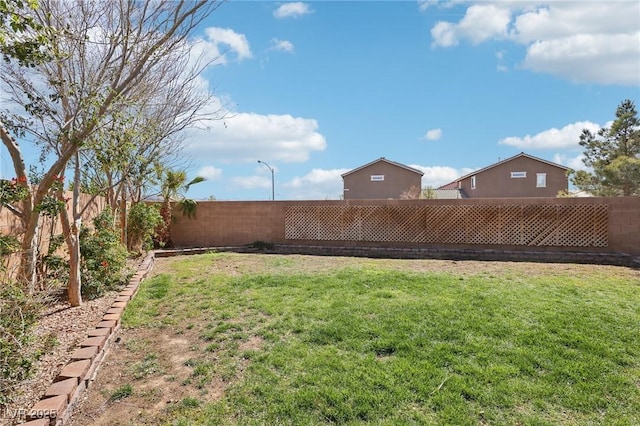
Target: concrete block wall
(234, 223)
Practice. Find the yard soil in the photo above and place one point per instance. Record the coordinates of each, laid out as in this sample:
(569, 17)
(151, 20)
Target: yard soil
(57, 334)
(163, 388)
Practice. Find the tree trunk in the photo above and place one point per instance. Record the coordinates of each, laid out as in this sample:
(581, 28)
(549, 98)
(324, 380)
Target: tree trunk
(71, 234)
(28, 259)
(72, 237)
(74, 289)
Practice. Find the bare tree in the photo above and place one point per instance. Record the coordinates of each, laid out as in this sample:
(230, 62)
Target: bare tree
(106, 55)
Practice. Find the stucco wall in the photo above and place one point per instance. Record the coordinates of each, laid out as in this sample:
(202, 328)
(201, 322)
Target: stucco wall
(359, 186)
(497, 181)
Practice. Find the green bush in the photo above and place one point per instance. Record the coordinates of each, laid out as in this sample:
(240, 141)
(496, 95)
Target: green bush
(104, 258)
(18, 314)
(8, 244)
(56, 267)
(142, 221)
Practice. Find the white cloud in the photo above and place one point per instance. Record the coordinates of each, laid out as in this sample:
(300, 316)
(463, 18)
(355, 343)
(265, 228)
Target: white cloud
(424, 4)
(318, 184)
(586, 41)
(248, 137)
(573, 162)
(433, 134)
(220, 41)
(251, 182)
(210, 172)
(292, 10)
(567, 137)
(500, 58)
(282, 45)
(480, 23)
(439, 175)
(607, 59)
(444, 34)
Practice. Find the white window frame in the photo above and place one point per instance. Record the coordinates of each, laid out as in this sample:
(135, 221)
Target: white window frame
(518, 175)
(473, 182)
(377, 178)
(541, 180)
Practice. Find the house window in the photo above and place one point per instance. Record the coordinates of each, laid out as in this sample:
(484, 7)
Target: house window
(541, 180)
(377, 178)
(473, 182)
(518, 175)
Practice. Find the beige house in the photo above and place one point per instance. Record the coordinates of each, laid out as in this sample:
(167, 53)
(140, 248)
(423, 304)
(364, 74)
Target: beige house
(522, 175)
(381, 179)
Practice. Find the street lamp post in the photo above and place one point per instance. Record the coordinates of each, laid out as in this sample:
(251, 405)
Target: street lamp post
(273, 191)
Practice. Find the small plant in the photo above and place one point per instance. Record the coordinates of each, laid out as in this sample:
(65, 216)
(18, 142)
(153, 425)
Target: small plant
(122, 392)
(261, 245)
(190, 402)
(148, 366)
(8, 244)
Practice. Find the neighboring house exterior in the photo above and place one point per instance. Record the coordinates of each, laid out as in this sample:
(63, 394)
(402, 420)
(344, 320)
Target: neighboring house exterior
(380, 179)
(522, 175)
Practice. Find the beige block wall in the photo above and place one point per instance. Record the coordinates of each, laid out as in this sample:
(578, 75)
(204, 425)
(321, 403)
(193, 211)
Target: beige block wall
(10, 225)
(232, 223)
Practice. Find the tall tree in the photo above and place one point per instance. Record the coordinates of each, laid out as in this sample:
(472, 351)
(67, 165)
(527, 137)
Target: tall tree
(106, 55)
(613, 154)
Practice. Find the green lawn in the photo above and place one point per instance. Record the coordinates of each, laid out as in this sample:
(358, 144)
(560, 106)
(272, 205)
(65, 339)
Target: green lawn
(371, 344)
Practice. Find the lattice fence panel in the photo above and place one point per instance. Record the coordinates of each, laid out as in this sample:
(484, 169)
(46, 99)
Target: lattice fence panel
(483, 225)
(375, 223)
(537, 224)
(328, 227)
(444, 224)
(530, 225)
(580, 226)
(300, 223)
(351, 223)
(511, 225)
(600, 226)
(405, 223)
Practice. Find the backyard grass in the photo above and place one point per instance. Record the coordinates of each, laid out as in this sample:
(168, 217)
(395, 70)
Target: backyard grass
(365, 343)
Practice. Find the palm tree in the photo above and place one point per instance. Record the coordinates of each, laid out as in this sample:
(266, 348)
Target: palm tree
(173, 188)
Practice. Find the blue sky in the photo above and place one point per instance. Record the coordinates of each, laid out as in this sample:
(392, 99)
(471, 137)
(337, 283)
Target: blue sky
(318, 88)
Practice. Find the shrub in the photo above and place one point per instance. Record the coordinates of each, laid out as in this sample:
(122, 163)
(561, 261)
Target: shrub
(56, 267)
(142, 221)
(18, 314)
(103, 256)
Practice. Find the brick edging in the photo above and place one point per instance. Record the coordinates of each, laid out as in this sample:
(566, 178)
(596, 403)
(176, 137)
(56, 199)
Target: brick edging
(56, 405)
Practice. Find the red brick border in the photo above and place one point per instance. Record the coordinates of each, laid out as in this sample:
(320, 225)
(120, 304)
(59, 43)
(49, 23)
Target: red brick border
(56, 405)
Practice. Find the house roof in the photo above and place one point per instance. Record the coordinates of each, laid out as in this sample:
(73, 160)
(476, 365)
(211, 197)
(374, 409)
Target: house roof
(450, 185)
(448, 194)
(411, 169)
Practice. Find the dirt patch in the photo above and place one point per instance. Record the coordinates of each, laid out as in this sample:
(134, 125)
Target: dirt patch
(155, 363)
(57, 334)
(174, 353)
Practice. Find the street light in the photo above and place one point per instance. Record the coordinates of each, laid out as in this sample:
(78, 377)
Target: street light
(273, 193)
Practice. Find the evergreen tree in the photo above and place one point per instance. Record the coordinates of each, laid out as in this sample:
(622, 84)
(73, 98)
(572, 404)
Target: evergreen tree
(613, 154)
